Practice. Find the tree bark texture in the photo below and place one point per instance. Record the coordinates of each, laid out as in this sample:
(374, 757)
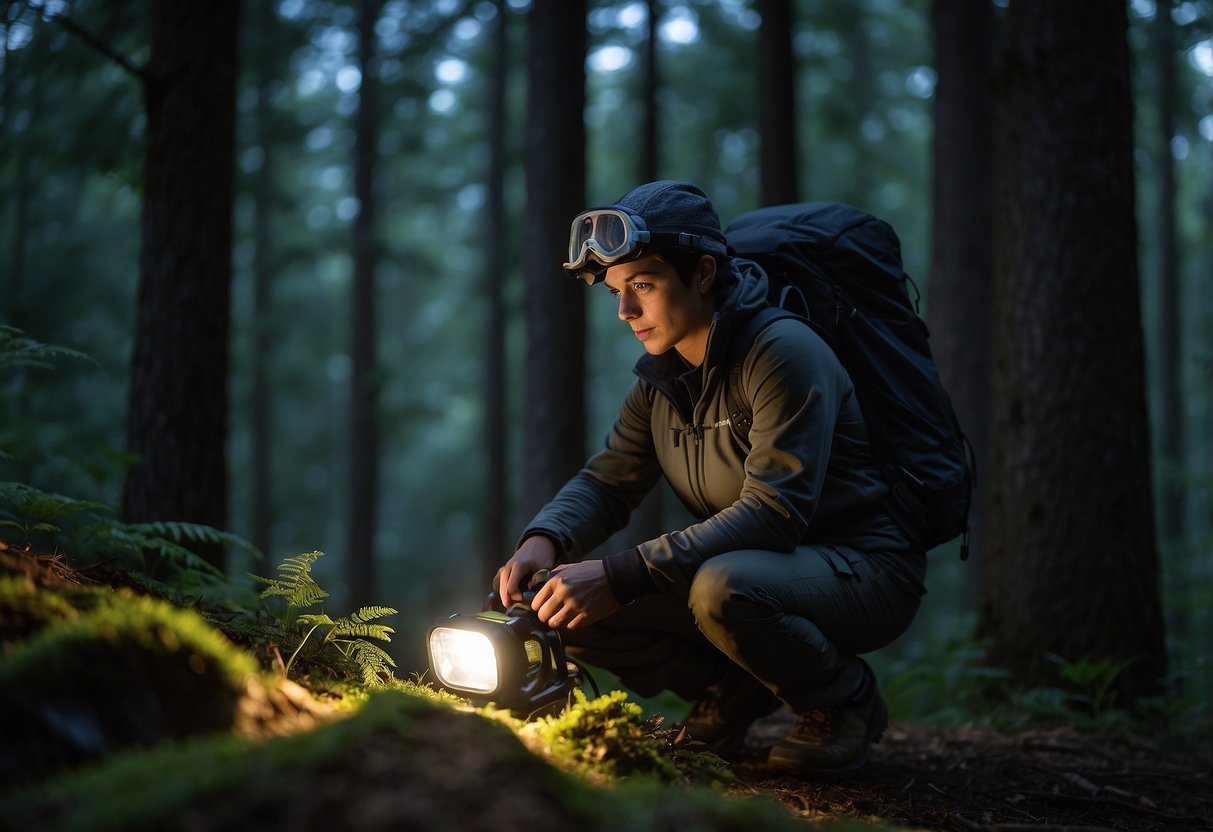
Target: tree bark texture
(961, 285)
(1072, 568)
(779, 169)
(553, 421)
(177, 423)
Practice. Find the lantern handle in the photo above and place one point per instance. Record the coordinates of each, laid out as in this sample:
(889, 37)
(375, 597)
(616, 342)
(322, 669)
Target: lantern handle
(493, 601)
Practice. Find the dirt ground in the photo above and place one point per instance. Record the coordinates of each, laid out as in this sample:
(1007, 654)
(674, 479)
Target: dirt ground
(966, 778)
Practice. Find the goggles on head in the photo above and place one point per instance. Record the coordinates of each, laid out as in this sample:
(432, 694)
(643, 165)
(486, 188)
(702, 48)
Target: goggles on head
(600, 238)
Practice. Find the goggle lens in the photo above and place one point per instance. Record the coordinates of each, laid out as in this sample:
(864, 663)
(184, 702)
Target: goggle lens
(600, 238)
(606, 234)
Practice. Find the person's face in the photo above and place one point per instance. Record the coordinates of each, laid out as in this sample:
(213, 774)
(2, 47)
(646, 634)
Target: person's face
(661, 310)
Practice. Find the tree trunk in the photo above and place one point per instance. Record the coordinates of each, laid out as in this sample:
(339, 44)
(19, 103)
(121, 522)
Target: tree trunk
(1170, 323)
(178, 390)
(779, 170)
(554, 443)
(959, 291)
(364, 376)
(263, 270)
(496, 253)
(1071, 567)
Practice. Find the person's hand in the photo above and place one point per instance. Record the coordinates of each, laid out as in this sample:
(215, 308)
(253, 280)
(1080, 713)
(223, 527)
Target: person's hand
(535, 553)
(575, 595)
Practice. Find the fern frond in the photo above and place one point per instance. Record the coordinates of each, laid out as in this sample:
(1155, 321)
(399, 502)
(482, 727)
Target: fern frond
(345, 627)
(196, 533)
(131, 536)
(17, 350)
(372, 661)
(296, 585)
(297, 594)
(358, 624)
(25, 502)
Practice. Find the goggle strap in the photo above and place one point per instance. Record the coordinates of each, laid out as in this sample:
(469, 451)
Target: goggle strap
(686, 240)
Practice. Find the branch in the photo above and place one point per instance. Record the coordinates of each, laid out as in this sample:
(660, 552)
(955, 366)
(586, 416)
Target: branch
(98, 44)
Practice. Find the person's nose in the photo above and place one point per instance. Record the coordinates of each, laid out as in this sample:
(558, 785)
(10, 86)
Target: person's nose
(628, 308)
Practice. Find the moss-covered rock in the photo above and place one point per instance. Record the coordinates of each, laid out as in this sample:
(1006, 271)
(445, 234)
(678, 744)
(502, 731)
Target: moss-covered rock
(401, 762)
(132, 671)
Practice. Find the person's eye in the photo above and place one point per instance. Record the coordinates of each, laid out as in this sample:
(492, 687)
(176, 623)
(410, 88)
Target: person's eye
(640, 286)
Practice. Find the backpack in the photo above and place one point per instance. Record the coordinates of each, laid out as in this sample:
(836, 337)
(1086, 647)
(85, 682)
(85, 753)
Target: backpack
(839, 269)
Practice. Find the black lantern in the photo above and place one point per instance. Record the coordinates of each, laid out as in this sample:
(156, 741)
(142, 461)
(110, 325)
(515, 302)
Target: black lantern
(506, 657)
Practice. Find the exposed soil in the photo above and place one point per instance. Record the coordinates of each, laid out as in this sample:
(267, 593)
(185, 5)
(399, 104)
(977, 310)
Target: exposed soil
(966, 778)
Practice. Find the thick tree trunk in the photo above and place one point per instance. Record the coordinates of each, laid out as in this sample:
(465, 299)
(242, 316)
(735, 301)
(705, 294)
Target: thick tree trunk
(554, 445)
(178, 395)
(961, 284)
(779, 169)
(1072, 569)
(364, 376)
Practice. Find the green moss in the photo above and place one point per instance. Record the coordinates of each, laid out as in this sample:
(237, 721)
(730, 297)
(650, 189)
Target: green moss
(119, 711)
(609, 737)
(401, 762)
(124, 616)
(24, 609)
(132, 671)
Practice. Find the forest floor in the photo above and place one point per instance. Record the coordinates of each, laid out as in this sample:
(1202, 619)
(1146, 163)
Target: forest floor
(968, 778)
(455, 771)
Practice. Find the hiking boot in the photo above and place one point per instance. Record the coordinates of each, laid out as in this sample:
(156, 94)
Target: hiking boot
(831, 742)
(723, 715)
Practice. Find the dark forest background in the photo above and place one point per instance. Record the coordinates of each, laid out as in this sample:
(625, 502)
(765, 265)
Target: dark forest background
(313, 249)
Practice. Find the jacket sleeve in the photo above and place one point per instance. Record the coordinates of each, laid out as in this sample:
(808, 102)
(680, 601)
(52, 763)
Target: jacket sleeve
(598, 500)
(795, 386)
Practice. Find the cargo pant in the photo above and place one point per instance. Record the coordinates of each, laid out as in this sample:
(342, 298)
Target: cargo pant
(797, 621)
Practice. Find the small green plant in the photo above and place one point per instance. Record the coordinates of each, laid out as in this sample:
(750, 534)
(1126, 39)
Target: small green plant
(347, 634)
(1093, 678)
(31, 511)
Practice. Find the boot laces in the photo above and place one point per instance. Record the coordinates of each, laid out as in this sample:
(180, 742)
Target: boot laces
(818, 726)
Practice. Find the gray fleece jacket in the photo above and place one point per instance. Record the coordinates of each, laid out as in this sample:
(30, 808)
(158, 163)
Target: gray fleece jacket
(807, 477)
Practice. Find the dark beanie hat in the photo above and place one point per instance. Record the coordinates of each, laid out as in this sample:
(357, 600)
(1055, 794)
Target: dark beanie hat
(681, 208)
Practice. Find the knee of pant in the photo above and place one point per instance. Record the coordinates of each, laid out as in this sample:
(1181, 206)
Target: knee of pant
(717, 587)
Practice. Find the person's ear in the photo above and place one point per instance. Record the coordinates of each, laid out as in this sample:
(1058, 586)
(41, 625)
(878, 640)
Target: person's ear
(705, 273)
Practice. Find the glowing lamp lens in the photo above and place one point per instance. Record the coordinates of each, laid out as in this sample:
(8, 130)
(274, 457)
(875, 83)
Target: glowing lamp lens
(464, 659)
